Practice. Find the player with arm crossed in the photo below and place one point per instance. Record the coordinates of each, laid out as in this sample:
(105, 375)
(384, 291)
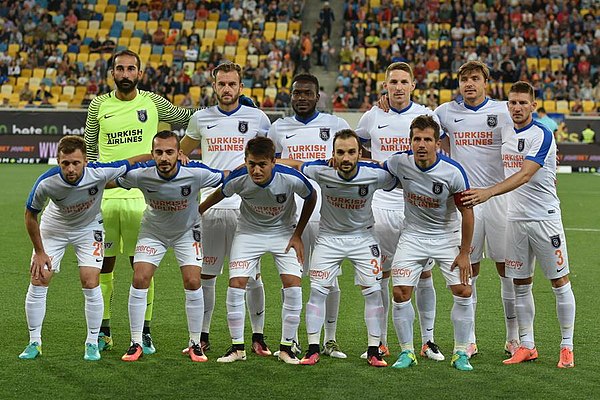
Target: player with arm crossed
(267, 224)
(172, 220)
(534, 229)
(222, 131)
(386, 133)
(307, 136)
(432, 184)
(474, 135)
(72, 217)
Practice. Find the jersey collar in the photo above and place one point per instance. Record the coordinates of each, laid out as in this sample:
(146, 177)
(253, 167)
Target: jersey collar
(307, 120)
(477, 107)
(352, 177)
(437, 160)
(403, 110)
(69, 183)
(228, 113)
(529, 125)
(170, 178)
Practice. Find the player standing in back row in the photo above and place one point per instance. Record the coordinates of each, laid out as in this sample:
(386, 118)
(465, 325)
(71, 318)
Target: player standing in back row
(121, 124)
(308, 136)
(474, 129)
(222, 131)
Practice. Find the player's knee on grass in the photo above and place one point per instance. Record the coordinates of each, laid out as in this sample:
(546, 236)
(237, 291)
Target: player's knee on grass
(402, 293)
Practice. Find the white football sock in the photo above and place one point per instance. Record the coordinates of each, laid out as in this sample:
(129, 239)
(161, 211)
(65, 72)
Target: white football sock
(510, 314)
(403, 315)
(425, 297)
(208, 293)
(194, 311)
(373, 311)
(332, 309)
(94, 308)
(35, 311)
(385, 299)
(462, 319)
(315, 313)
(255, 300)
(565, 310)
(525, 308)
(137, 309)
(236, 314)
(290, 314)
(472, 337)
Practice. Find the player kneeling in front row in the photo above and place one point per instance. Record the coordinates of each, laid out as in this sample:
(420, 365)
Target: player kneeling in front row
(345, 231)
(432, 184)
(266, 224)
(171, 219)
(73, 216)
(534, 228)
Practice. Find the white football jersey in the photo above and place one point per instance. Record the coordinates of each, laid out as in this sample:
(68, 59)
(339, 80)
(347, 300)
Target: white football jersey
(346, 207)
(172, 204)
(476, 138)
(537, 199)
(307, 140)
(388, 134)
(270, 207)
(73, 206)
(223, 137)
(429, 193)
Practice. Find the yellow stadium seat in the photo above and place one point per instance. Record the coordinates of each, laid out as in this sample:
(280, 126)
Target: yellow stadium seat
(132, 16)
(556, 64)
(178, 16)
(371, 52)
(253, 58)
(200, 24)
(294, 26)
(247, 91)
(168, 57)
(550, 105)
(165, 25)
(121, 16)
(39, 73)
(100, 8)
(258, 92)
(532, 64)
(108, 16)
(588, 106)
(230, 51)
(6, 89)
(281, 35)
(543, 63)
(141, 25)
(269, 35)
(195, 92)
(562, 106)
(123, 41)
(240, 59)
(282, 26)
(445, 95)
(93, 57)
(214, 16)
(13, 49)
(82, 57)
(82, 24)
(271, 92)
(110, 9)
(152, 26)
(270, 26)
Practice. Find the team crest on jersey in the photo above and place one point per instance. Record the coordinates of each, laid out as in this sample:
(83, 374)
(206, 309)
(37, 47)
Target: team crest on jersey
(521, 144)
(281, 198)
(492, 120)
(142, 115)
(363, 190)
(98, 236)
(437, 187)
(197, 235)
(243, 126)
(93, 190)
(375, 250)
(324, 134)
(186, 190)
(555, 240)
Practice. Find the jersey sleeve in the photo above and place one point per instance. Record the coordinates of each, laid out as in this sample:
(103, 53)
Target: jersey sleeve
(312, 168)
(233, 183)
(540, 146)
(440, 114)
(37, 197)
(264, 125)
(386, 180)
(128, 181)
(302, 186)
(274, 135)
(170, 113)
(92, 129)
(459, 182)
(393, 164)
(363, 129)
(208, 176)
(112, 170)
(193, 130)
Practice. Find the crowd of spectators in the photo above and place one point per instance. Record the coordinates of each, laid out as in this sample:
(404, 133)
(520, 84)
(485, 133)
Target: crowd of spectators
(518, 40)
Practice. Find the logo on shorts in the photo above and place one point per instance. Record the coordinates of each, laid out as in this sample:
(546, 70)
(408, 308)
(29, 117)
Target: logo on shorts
(92, 191)
(363, 190)
(197, 235)
(324, 134)
(521, 144)
(375, 250)
(98, 236)
(437, 187)
(492, 120)
(142, 115)
(281, 198)
(555, 240)
(186, 190)
(243, 126)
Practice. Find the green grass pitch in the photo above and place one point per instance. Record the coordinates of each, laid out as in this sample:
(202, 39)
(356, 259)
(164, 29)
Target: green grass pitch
(61, 372)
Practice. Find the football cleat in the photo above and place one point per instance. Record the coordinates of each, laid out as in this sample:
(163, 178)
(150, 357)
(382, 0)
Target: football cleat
(472, 350)
(432, 351)
(522, 354)
(32, 350)
(104, 342)
(259, 346)
(405, 359)
(383, 351)
(511, 346)
(295, 348)
(377, 361)
(205, 346)
(460, 361)
(311, 358)
(232, 354)
(566, 358)
(92, 353)
(286, 354)
(332, 349)
(196, 354)
(147, 345)
(133, 353)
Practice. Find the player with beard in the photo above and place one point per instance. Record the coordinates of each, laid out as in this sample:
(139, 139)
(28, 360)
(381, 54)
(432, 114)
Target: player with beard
(222, 132)
(308, 136)
(119, 125)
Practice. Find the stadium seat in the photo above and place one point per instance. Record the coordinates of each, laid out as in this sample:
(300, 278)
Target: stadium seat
(240, 59)
(271, 92)
(282, 26)
(445, 95)
(371, 52)
(132, 16)
(6, 89)
(269, 35)
(557, 64)
(550, 105)
(588, 106)
(562, 106)
(532, 64)
(246, 91)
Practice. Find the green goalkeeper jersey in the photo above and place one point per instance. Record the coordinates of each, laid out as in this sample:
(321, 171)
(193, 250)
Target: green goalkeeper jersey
(117, 129)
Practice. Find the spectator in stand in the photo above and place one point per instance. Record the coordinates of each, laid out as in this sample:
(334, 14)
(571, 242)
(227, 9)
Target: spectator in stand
(326, 17)
(26, 94)
(159, 36)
